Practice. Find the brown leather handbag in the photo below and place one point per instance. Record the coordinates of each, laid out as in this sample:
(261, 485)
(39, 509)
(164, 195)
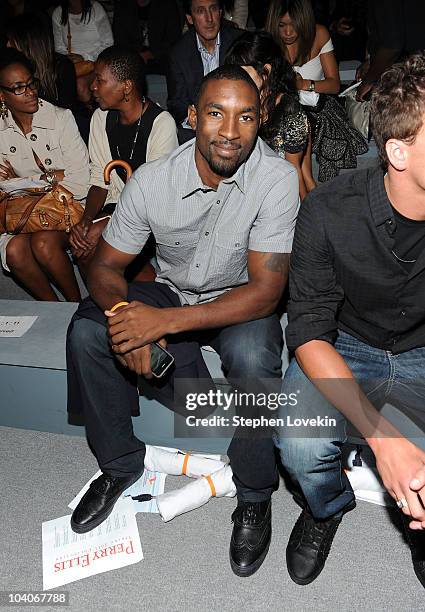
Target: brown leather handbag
(27, 211)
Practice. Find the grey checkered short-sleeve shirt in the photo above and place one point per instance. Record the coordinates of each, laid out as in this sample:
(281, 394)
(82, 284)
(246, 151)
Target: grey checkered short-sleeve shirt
(202, 235)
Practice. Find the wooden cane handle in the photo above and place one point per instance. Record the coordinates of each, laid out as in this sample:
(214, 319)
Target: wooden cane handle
(110, 165)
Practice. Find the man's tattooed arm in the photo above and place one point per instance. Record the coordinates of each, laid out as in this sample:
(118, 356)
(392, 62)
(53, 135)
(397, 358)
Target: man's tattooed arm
(277, 262)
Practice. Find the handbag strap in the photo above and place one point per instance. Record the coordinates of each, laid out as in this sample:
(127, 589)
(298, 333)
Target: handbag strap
(39, 162)
(3, 210)
(69, 37)
(25, 215)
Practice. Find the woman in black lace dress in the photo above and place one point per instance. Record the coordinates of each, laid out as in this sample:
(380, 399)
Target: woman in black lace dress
(284, 124)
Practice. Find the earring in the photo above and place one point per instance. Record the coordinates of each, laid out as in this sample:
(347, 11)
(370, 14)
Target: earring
(4, 111)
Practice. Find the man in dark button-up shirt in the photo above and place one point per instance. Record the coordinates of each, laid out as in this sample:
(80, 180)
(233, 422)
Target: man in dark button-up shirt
(357, 326)
(369, 294)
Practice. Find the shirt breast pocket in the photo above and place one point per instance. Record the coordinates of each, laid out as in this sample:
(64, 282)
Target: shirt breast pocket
(231, 255)
(176, 248)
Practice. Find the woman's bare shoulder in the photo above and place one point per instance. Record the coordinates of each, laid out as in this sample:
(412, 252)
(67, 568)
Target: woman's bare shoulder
(322, 36)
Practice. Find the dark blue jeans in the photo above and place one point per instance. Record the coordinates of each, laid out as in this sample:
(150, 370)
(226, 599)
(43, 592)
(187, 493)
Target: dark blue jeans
(313, 460)
(108, 393)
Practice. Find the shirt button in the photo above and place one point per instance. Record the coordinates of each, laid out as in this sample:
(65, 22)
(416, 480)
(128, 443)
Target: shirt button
(48, 162)
(237, 244)
(48, 147)
(218, 201)
(177, 242)
(197, 265)
(33, 137)
(403, 313)
(12, 149)
(207, 233)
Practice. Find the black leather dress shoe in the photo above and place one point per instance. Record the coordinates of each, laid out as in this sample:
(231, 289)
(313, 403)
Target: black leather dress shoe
(309, 545)
(98, 502)
(416, 540)
(251, 535)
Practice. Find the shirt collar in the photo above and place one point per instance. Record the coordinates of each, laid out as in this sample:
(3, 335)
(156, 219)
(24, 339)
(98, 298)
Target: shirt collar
(194, 182)
(201, 47)
(43, 118)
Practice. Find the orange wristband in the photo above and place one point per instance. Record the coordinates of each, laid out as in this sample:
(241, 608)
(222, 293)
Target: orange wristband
(118, 305)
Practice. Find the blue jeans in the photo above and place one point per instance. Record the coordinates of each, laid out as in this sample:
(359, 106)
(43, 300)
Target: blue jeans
(313, 457)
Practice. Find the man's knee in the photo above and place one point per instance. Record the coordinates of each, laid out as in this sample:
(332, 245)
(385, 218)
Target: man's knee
(255, 351)
(86, 335)
(242, 362)
(304, 456)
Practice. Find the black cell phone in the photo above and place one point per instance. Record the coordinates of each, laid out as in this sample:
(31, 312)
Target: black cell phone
(161, 360)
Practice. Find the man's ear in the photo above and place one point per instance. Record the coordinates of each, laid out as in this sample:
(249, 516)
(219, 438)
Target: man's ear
(128, 87)
(192, 116)
(189, 19)
(398, 153)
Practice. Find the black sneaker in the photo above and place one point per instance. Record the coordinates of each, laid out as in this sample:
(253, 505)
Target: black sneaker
(98, 502)
(416, 540)
(309, 546)
(251, 536)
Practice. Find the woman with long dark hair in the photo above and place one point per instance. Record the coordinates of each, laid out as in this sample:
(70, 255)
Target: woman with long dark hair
(82, 25)
(284, 125)
(308, 47)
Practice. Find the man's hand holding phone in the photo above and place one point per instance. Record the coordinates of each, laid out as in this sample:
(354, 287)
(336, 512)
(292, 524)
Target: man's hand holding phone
(147, 359)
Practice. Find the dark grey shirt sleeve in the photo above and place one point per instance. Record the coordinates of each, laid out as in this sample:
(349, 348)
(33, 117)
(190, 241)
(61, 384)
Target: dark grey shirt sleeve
(315, 295)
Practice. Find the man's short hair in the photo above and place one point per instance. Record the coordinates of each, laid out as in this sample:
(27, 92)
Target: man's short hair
(229, 72)
(187, 5)
(398, 104)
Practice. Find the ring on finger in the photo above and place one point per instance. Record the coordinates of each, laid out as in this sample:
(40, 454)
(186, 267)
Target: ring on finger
(402, 503)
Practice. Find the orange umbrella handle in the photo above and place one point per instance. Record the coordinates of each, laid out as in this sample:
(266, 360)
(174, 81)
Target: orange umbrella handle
(110, 165)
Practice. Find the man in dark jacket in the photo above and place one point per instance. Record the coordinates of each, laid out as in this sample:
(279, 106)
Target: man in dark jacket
(199, 51)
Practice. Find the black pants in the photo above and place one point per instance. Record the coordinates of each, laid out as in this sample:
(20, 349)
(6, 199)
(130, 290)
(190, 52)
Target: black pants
(108, 395)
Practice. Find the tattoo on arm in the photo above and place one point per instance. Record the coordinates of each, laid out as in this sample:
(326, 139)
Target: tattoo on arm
(277, 262)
